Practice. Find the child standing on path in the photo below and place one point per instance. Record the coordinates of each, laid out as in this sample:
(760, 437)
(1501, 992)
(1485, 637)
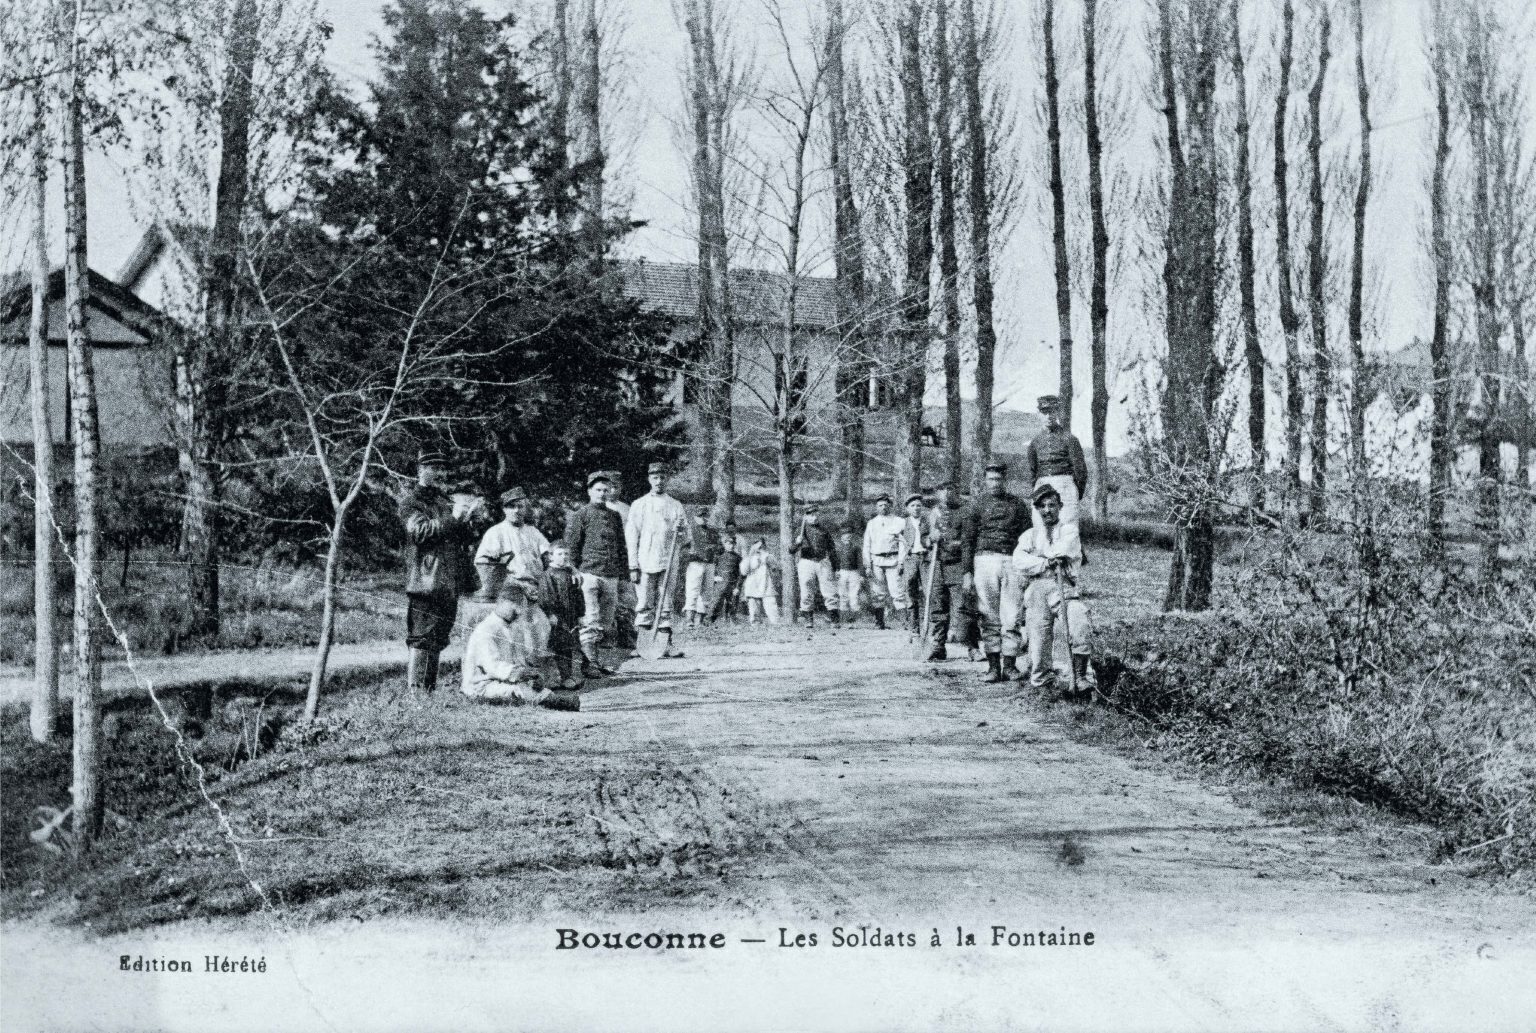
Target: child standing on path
(758, 586)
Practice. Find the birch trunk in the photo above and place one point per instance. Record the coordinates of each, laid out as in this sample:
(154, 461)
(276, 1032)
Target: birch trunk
(45, 663)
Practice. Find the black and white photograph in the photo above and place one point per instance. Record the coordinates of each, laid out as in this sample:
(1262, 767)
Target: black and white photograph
(767, 515)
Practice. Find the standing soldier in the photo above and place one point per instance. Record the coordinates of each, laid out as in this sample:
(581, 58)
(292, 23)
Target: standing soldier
(625, 607)
(727, 575)
(885, 554)
(1049, 558)
(594, 537)
(437, 535)
(813, 565)
(512, 549)
(1055, 457)
(846, 560)
(990, 531)
(914, 533)
(944, 528)
(701, 569)
(648, 535)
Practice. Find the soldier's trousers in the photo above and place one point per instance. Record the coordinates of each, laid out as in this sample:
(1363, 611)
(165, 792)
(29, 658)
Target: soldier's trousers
(849, 584)
(999, 597)
(600, 594)
(888, 583)
(1042, 621)
(650, 598)
(811, 575)
(625, 602)
(963, 628)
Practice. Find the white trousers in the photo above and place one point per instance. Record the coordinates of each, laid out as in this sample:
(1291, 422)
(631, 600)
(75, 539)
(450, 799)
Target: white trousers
(815, 574)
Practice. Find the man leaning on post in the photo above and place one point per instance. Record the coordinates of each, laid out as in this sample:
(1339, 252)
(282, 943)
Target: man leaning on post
(594, 537)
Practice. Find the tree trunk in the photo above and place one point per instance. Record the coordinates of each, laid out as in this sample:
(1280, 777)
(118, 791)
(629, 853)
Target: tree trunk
(327, 616)
(45, 663)
(86, 787)
(1252, 352)
(979, 203)
(848, 263)
(1317, 275)
(1360, 388)
(1440, 253)
(587, 134)
(560, 106)
(918, 193)
(949, 256)
(1098, 306)
(1290, 319)
(1479, 98)
(789, 583)
(1058, 218)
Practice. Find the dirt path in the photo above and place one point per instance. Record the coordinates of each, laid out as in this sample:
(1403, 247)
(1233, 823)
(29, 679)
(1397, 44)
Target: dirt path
(901, 797)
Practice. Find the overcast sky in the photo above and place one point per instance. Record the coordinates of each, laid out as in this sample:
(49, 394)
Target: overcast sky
(654, 174)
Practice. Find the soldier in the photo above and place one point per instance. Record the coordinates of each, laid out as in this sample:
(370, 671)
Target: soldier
(727, 575)
(504, 659)
(625, 607)
(884, 555)
(988, 536)
(813, 565)
(847, 560)
(594, 537)
(1055, 457)
(437, 534)
(513, 548)
(1044, 551)
(701, 569)
(654, 520)
(944, 524)
(915, 534)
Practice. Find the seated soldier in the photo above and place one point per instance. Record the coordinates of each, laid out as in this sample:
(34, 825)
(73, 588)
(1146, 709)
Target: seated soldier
(507, 657)
(1048, 558)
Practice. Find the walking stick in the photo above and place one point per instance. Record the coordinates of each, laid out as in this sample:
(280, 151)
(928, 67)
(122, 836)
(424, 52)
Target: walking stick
(933, 565)
(652, 645)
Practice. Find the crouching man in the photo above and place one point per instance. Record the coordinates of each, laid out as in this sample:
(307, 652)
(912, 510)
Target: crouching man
(507, 657)
(1048, 559)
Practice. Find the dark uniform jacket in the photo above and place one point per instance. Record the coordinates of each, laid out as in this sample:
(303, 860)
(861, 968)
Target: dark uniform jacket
(1056, 453)
(706, 546)
(815, 542)
(992, 524)
(594, 536)
(560, 596)
(436, 553)
(848, 553)
(944, 527)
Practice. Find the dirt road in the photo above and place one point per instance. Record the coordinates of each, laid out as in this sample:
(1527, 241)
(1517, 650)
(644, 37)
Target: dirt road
(893, 796)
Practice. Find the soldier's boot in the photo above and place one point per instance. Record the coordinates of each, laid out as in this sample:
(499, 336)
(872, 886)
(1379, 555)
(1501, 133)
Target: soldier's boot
(834, 617)
(416, 671)
(880, 617)
(1083, 680)
(994, 669)
(936, 651)
(432, 659)
(669, 652)
(1018, 668)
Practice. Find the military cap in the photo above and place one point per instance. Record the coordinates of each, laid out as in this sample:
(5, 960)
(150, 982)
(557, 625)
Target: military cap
(598, 475)
(882, 498)
(1043, 492)
(512, 495)
(656, 468)
(431, 457)
(916, 496)
(812, 507)
(1047, 403)
(1001, 468)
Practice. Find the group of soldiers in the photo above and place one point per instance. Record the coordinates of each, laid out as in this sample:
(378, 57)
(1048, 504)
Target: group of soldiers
(1000, 577)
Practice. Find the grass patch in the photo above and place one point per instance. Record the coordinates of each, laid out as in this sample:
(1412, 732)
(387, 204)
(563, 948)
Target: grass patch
(436, 807)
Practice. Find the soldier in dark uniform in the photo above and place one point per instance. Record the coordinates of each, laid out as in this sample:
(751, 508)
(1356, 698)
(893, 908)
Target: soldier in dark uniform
(944, 527)
(437, 539)
(989, 534)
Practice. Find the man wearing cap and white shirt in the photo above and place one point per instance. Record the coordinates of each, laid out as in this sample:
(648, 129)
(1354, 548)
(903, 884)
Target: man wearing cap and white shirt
(813, 565)
(1043, 550)
(1055, 457)
(594, 537)
(654, 519)
(988, 535)
(437, 535)
(506, 659)
(885, 553)
(513, 548)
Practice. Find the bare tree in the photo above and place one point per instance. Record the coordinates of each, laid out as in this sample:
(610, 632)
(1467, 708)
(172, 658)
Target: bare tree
(1252, 352)
(1058, 211)
(979, 202)
(1360, 387)
(45, 664)
(1317, 275)
(86, 785)
(1098, 306)
(917, 168)
(944, 227)
(586, 132)
(1440, 445)
(1290, 318)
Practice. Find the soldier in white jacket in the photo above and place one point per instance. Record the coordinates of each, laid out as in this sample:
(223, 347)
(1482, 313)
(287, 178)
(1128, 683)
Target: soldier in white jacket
(885, 552)
(648, 533)
(1044, 549)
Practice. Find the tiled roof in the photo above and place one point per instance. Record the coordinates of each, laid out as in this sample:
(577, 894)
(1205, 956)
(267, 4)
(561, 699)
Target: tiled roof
(757, 296)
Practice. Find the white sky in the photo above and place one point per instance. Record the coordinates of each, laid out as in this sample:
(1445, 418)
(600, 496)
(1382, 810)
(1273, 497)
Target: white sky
(654, 171)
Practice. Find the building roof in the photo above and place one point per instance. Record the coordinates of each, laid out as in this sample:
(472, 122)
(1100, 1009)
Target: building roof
(106, 296)
(758, 297)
